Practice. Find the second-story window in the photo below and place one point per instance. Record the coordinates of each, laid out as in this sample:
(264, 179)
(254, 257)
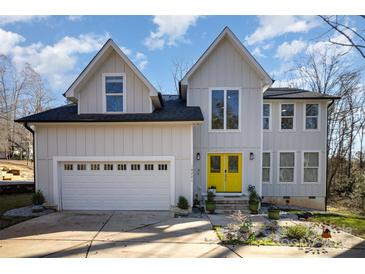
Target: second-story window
(224, 109)
(287, 115)
(266, 116)
(311, 116)
(114, 85)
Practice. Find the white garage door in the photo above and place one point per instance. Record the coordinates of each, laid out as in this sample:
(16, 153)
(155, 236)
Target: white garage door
(115, 185)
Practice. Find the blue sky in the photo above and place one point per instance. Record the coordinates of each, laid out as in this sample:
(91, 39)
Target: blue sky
(59, 47)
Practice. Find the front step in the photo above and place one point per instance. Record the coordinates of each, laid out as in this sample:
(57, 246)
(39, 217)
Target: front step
(228, 205)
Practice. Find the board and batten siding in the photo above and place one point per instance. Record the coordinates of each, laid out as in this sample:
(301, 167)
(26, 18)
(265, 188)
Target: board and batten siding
(114, 140)
(299, 141)
(137, 93)
(225, 67)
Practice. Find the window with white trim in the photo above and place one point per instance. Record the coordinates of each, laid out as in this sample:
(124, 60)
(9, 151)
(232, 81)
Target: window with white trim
(108, 166)
(266, 166)
(311, 116)
(114, 92)
(94, 166)
(286, 167)
(162, 166)
(311, 167)
(81, 166)
(224, 109)
(68, 167)
(266, 112)
(148, 167)
(287, 117)
(135, 166)
(122, 167)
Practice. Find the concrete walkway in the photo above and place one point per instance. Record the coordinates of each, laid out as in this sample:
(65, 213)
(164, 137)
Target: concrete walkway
(112, 234)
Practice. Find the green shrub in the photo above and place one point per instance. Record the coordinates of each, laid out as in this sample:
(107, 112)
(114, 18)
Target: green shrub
(38, 198)
(253, 196)
(183, 203)
(210, 197)
(297, 232)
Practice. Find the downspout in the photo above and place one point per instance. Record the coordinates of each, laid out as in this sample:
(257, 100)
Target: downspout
(327, 152)
(34, 163)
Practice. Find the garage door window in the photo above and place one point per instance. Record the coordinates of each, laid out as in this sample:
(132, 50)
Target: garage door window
(81, 166)
(122, 167)
(108, 166)
(162, 167)
(135, 166)
(148, 167)
(95, 166)
(68, 167)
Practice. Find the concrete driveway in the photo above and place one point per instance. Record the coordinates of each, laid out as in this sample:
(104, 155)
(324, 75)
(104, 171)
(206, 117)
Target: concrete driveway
(112, 234)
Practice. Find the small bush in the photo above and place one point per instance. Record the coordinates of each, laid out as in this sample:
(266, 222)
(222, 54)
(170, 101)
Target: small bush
(253, 196)
(210, 197)
(183, 203)
(297, 232)
(38, 198)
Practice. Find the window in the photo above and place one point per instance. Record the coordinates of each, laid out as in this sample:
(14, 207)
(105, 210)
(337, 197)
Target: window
(68, 167)
(266, 109)
(95, 166)
(311, 167)
(108, 166)
(233, 164)
(114, 87)
(225, 107)
(287, 113)
(135, 166)
(122, 166)
(162, 167)
(311, 116)
(148, 167)
(81, 166)
(215, 164)
(286, 167)
(266, 165)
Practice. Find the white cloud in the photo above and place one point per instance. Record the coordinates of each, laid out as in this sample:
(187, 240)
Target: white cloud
(258, 53)
(286, 51)
(273, 26)
(170, 30)
(141, 60)
(54, 62)
(10, 19)
(126, 50)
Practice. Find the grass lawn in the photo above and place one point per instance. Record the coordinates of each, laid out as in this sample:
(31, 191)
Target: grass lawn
(11, 201)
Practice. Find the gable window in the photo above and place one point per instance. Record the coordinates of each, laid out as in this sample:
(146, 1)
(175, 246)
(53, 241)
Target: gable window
(311, 167)
(287, 117)
(114, 92)
(266, 166)
(225, 105)
(286, 167)
(266, 111)
(311, 116)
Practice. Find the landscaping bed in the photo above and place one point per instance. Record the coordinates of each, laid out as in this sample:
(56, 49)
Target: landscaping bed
(8, 202)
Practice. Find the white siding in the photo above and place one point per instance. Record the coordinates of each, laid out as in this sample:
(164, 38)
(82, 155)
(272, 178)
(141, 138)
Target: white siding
(114, 140)
(137, 94)
(297, 141)
(225, 67)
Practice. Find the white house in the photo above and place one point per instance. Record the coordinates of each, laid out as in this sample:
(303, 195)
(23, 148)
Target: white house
(121, 145)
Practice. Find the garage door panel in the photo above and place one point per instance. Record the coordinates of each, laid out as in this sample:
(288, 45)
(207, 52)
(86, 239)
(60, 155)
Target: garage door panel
(116, 189)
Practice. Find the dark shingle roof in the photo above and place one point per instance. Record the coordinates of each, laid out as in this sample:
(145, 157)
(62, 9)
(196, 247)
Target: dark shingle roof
(295, 93)
(174, 110)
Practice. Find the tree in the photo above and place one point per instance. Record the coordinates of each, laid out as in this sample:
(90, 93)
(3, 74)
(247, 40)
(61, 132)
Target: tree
(179, 69)
(354, 38)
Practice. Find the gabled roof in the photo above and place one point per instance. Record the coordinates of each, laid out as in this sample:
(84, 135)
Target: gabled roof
(295, 93)
(174, 110)
(242, 49)
(110, 44)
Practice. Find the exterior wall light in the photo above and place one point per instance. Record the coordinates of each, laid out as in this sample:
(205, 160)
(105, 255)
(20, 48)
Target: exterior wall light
(198, 156)
(252, 156)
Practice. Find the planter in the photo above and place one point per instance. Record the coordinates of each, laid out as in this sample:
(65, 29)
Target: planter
(254, 207)
(210, 207)
(213, 190)
(274, 214)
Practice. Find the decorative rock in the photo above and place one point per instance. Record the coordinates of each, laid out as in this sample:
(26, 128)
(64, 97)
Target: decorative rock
(26, 212)
(37, 208)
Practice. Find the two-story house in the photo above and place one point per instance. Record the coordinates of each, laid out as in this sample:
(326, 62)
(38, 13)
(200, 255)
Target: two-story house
(121, 145)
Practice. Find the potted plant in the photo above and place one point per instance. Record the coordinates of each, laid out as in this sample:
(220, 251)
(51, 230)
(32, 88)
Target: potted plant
(210, 205)
(212, 189)
(182, 208)
(273, 213)
(37, 201)
(253, 200)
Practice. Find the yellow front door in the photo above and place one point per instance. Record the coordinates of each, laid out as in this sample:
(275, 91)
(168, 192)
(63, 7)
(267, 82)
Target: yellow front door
(225, 171)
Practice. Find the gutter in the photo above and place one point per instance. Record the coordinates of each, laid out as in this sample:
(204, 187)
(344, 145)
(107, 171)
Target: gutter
(327, 154)
(34, 162)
